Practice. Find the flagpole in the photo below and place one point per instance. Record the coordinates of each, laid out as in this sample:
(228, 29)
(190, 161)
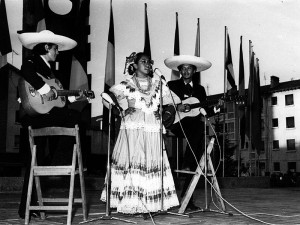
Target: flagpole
(250, 114)
(239, 120)
(224, 94)
(197, 49)
(256, 152)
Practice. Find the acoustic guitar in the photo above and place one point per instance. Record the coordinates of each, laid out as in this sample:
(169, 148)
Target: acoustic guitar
(170, 116)
(35, 104)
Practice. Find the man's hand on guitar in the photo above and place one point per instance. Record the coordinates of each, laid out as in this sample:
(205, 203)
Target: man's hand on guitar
(80, 95)
(183, 108)
(51, 95)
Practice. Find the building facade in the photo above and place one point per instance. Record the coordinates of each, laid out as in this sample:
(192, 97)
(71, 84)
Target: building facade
(280, 125)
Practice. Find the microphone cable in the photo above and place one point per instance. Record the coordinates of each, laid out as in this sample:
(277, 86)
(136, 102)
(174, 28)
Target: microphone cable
(205, 177)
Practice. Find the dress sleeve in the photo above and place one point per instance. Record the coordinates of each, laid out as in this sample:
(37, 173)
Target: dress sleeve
(169, 97)
(119, 91)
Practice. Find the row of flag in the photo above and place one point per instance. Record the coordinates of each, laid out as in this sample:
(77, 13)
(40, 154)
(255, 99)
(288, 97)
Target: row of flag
(249, 114)
(38, 16)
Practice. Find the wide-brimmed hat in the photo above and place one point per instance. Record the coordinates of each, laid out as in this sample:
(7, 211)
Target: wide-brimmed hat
(30, 39)
(199, 62)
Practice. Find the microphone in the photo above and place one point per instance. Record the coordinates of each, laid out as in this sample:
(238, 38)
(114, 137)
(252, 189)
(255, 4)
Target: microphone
(203, 112)
(159, 73)
(109, 98)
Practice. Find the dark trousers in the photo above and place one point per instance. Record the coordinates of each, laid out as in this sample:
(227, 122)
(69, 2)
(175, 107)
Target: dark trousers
(60, 149)
(194, 130)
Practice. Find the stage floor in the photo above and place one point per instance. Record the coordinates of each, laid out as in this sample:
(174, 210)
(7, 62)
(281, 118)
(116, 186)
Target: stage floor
(271, 205)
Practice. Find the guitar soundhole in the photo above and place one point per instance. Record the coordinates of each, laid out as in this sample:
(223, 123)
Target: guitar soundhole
(63, 99)
(32, 91)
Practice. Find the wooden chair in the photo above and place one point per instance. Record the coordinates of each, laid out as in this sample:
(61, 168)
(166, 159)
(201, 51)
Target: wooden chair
(69, 170)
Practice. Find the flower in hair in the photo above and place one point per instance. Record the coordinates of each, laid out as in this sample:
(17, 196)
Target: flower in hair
(129, 69)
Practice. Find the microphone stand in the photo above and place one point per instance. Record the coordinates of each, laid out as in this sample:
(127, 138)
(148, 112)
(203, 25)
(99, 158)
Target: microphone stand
(107, 215)
(162, 211)
(214, 182)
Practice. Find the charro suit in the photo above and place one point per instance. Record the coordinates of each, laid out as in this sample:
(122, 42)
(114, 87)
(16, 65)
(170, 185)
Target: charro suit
(193, 126)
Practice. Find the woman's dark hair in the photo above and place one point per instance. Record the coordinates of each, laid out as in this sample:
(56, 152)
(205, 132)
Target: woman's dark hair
(136, 59)
(40, 49)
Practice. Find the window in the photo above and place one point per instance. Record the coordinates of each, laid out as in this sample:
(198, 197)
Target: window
(262, 165)
(229, 107)
(292, 166)
(17, 141)
(290, 122)
(289, 99)
(274, 100)
(275, 144)
(276, 166)
(290, 144)
(275, 122)
(230, 127)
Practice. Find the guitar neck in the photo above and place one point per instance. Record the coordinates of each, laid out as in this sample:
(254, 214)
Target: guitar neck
(207, 103)
(68, 92)
(197, 105)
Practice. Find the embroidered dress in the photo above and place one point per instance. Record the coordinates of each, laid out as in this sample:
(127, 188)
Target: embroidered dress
(135, 164)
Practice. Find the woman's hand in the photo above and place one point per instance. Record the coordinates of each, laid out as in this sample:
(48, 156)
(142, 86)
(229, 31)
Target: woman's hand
(130, 111)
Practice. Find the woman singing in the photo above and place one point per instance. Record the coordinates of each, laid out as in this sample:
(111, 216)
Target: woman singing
(136, 159)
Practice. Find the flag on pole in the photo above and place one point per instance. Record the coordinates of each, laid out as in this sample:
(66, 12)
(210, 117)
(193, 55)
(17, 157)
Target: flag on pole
(197, 76)
(241, 107)
(147, 47)
(253, 125)
(249, 95)
(175, 74)
(109, 70)
(256, 110)
(231, 86)
(5, 44)
(78, 76)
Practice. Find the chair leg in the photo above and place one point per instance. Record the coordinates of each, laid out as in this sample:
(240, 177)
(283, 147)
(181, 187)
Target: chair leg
(71, 191)
(82, 184)
(30, 183)
(39, 195)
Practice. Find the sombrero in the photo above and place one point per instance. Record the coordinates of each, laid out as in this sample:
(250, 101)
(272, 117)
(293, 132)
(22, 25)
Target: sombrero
(30, 39)
(199, 62)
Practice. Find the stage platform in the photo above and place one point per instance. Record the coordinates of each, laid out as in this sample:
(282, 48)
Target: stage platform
(271, 205)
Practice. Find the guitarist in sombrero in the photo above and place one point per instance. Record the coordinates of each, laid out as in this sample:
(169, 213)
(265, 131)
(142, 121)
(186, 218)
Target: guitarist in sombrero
(37, 91)
(191, 119)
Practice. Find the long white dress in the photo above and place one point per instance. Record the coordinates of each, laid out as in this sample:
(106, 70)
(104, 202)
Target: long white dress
(136, 158)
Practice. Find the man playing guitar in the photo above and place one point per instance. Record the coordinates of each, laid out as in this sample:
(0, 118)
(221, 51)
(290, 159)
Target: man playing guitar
(36, 70)
(193, 126)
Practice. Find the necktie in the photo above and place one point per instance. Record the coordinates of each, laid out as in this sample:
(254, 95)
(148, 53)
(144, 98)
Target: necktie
(189, 89)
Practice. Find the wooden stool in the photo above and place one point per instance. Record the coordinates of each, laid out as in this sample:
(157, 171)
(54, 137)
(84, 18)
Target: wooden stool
(197, 174)
(69, 170)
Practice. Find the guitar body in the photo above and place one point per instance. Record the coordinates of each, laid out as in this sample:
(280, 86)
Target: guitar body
(192, 113)
(195, 106)
(34, 103)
